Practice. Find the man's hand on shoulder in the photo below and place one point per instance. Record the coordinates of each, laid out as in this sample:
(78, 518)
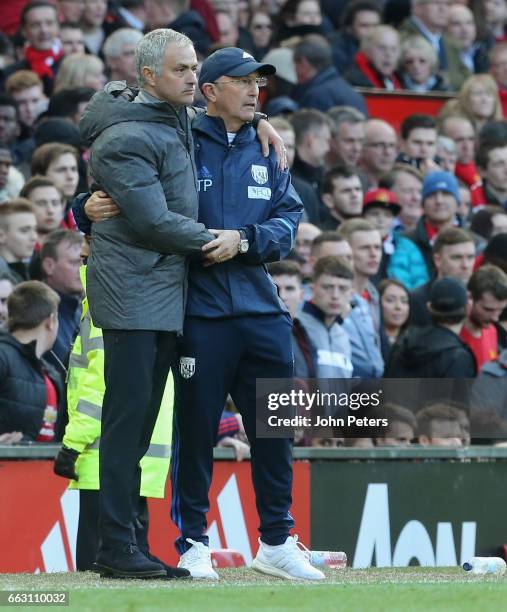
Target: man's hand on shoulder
(100, 207)
(224, 247)
(267, 135)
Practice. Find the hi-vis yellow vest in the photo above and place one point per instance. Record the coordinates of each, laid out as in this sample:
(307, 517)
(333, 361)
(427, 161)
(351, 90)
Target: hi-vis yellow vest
(85, 392)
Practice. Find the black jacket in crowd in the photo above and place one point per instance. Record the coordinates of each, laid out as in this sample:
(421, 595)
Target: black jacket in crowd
(328, 89)
(430, 352)
(309, 197)
(23, 391)
(192, 24)
(419, 297)
(344, 46)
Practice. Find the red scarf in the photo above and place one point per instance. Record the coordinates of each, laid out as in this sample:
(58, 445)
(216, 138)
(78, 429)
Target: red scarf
(467, 173)
(502, 92)
(372, 74)
(42, 62)
(431, 230)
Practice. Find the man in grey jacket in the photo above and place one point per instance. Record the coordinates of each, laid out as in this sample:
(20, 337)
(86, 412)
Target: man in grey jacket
(323, 314)
(142, 156)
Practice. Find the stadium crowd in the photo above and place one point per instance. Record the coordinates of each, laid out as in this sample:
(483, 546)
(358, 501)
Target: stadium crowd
(399, 268)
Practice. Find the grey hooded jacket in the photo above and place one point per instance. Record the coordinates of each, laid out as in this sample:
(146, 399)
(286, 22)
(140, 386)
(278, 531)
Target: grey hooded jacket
(364, 343)
(142, 156)
(332, 343)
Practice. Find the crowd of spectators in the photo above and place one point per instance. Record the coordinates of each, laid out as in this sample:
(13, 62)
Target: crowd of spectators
(400, 263)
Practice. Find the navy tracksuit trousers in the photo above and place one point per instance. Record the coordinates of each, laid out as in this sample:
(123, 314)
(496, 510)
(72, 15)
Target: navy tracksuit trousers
(230, 354)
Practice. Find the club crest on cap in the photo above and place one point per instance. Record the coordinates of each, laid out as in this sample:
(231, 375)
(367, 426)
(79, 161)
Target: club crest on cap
(247, 55)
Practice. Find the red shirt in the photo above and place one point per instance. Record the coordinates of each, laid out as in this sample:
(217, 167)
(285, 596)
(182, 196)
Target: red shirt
(484, 347)
(431, 231)
(467, 173)
(47, 430)
(477, 195)
(503, 99)
(479, 261)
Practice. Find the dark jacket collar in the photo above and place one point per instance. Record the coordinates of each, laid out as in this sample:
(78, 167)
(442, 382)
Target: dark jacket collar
(491, 197)
(313, 310)
(419, 234)
(26, 350)
(115, 105)
(325, 75)
(214, 128)
(69, 303)
(310, 173)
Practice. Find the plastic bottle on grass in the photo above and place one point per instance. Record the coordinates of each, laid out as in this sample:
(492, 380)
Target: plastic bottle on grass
(324, 558)
(485, 565)
(328, 558)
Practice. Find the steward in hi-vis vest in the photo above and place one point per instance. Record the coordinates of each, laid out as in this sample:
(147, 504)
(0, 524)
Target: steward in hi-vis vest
(79, 457)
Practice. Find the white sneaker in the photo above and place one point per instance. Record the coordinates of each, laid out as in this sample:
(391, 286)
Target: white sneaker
(286, 561)
(197, 560)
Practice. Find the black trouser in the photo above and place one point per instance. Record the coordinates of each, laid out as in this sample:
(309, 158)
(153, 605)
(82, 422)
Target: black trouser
(251, 347)
(135, 370)
(87, 542)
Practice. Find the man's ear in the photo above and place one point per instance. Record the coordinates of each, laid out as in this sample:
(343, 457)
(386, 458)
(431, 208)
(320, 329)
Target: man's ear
(208, 90)
(48, 266)
(50, 322)
(437, 259)
(470, 305)
(148, 75)
(327, 198)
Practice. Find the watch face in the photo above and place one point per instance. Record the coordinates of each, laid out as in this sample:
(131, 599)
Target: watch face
(243, 246)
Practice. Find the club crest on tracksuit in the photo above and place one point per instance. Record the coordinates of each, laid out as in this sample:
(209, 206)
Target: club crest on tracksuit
(260, 174)
(187, 366)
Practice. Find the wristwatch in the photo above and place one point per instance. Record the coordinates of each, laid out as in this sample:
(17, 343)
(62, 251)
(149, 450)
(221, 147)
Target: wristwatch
(243, 242)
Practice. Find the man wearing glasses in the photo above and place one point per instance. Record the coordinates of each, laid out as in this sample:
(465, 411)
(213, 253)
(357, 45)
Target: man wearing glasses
(235, 306)
(379, 151)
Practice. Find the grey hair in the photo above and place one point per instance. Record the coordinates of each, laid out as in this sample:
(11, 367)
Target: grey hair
(113, 47)
(447, 144)
(344, 114)
(368, 41)
(151, 50)
(419, 43)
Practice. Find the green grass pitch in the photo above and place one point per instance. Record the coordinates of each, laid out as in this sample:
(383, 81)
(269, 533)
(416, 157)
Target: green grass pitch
(370, 590)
